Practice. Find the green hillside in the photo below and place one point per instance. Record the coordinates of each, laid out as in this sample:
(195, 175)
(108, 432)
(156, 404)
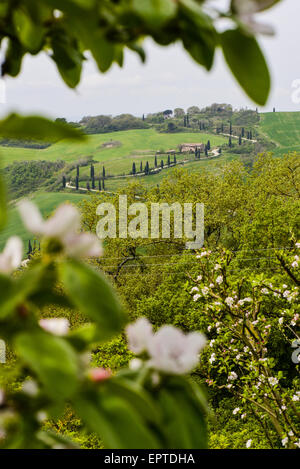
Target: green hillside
(126, 147)
(46, 202)
(283, 128)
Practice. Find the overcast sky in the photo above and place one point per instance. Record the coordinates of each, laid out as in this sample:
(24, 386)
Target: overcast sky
(169, 79)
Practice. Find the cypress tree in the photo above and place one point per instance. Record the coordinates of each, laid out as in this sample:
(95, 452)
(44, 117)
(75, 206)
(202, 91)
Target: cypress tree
(230, 128)
(141, 167)
(206, 152)
(77, 170)
(93, 182)
(92, 171)
(88, 186)
(99, 184)
(103, 185)
(29, 249)
(103, 172)
(187, 120)
(77, 183)
(240, 140)
(184, 121)
(133, 168)
(162, 164)
(155, 161)
(175, 161)
(208, 145)
(64, 182)
(169, 160)
(243, 132)
(230, 142)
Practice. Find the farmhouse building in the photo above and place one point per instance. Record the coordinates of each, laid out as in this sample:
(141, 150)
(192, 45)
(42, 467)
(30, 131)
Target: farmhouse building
(191, 147)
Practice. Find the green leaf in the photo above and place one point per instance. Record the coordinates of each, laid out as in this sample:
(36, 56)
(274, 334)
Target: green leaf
(247, 63)
(136, 395)
(37, 128)
(184, 421)
(13, 58)
(115, 420)
(90, 292)
(30, 35)
(52, 359)
(155, 12)
(68, 59)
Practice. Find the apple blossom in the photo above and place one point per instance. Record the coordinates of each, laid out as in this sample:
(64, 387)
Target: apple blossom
(11, 257)
(249, 443)
(139, 334)
(246, 9)
(63, 226)
(56, 326)
(174, 352)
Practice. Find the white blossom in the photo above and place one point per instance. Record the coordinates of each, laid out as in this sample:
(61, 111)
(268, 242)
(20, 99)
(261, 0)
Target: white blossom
(232, 376)
(63, 226)
(273, 381)
(285, 441)
(236, 411)
(11, 257)
(249, 443)
(139, 334)
(56, 326)
(246, 10)
(30, 388)
(229, 301)
(174, 352)
(194, 289)
(212, 358)
(196, 297)
(295, 398)
(135, 364)
(205, 291)
(219, 279)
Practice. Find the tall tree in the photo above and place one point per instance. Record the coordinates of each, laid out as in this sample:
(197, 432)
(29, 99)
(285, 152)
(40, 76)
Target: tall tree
(103, 172)
(77, 170)
(141, 167)
(155, 161)
(208, 145)
(133, 168)
(92, 171)
(29, 249)
(77, 183)
(162, 164)
(169, 160)
(64, 181)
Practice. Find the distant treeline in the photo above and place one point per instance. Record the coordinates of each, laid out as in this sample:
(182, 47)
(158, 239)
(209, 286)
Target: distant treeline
(9, 142)
(105, 124)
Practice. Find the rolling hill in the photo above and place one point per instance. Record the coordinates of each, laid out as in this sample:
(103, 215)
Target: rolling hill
(283, 128)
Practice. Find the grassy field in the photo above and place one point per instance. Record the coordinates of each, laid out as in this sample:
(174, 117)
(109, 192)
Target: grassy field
(134, 145)
(283, 128)
(47, 202)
